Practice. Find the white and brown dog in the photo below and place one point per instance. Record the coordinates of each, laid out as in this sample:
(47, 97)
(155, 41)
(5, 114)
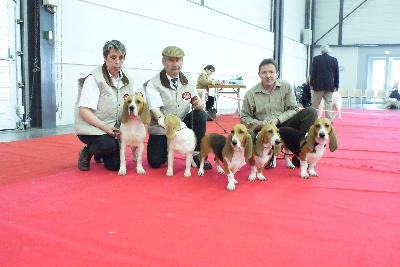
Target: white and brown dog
(310, 148)
(180, 139)
(266, 147)
(135, 115)
(234, 154)
(336, 106)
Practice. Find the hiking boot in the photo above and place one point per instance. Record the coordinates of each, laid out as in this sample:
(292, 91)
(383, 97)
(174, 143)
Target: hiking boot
(84, 159)
(196, 160)
(98, 159)
(296, 161)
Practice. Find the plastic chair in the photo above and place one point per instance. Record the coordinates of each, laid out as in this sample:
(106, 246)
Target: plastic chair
(369, 93)
(381, 94)
(344, 93)
(357, 93)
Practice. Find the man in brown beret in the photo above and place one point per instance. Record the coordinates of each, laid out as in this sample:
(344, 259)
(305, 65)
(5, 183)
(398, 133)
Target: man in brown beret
(172, 92)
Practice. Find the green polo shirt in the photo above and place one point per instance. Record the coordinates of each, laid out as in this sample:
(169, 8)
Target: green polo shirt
(260, 105)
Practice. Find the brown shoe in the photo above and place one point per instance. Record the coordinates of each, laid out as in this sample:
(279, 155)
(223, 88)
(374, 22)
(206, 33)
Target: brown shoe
(84, 159)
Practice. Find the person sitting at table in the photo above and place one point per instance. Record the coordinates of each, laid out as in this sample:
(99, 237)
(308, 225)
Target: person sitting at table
(203, 81)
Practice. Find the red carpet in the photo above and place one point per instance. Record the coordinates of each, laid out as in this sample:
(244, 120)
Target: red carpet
(52, 214)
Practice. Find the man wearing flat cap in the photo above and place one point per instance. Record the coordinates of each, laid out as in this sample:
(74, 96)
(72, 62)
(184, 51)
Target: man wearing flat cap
(172, 92)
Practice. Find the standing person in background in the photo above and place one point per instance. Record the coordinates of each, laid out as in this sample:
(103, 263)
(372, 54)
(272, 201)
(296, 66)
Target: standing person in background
(324, 79)
(171, 92)
(203, 81)
(306, 96)
(98, 108)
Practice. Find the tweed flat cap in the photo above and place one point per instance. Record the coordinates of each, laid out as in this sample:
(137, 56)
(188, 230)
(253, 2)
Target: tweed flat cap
(173, 51)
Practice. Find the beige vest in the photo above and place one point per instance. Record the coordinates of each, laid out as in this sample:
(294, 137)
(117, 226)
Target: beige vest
(175, 102)
(111, 101)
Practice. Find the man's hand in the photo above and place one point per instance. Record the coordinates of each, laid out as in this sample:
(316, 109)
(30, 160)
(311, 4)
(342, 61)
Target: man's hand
(273, 121)
(161, 121)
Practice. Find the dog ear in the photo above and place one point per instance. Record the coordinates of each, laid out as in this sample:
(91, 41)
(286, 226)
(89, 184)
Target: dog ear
(259, 146)
(145, 114)
(227, 147)
(125, 114)
(333, 143)
(248, 148)
(169, 127)
(310, 141)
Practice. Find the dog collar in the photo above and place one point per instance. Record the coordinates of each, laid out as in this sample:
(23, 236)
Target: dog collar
(181, 128)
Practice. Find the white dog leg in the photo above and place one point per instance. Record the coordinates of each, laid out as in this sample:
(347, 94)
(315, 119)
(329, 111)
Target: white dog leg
(289, 163)
(219, 168)
(139, 166)
(260, 176)
(122, 164)
(311, 169)
(201, 167)
(253, 173)
(170, 171)
(303, 170)
(231, 182)
(189, 158)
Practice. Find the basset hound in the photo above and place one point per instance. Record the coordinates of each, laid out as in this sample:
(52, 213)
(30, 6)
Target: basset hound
(310, 148)
(180, 139)
(266, 147)
(233, 151)
(135, 115)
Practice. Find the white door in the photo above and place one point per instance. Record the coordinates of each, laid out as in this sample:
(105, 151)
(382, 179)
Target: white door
(8, 65)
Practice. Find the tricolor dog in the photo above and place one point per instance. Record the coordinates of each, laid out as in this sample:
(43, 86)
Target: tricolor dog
(234, 154)
(266, 147)
(310, 148)
(135, 115)
(182, 140)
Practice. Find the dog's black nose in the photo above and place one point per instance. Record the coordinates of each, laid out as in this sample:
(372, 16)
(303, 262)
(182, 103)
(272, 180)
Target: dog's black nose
(277, 142)
(322, 135)
(234, 142)
(131, 108)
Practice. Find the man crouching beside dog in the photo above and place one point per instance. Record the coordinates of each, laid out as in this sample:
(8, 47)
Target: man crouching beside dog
(272, 101)
(172, 92)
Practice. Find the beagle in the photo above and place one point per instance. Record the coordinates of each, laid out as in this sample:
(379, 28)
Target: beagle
(266, 147)
(336, 105)
(310, 148)
(234, 152)
(135, 115)
(180, 139)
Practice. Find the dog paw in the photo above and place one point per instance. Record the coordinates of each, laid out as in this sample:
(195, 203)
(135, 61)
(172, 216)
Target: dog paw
(236, 182)
(231, 187)
(251, 177)
(291, 166)
(304, 175)
(200, 173)
(187, 174)
(220, 170)
(140, 170)
(170, 173)
(122, 172)
(313, 173)
(261, 177)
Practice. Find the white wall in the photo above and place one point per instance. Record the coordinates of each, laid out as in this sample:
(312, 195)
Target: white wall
(206, 36)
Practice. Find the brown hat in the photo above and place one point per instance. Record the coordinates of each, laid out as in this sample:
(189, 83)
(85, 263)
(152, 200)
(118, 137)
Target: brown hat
(173, 51)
